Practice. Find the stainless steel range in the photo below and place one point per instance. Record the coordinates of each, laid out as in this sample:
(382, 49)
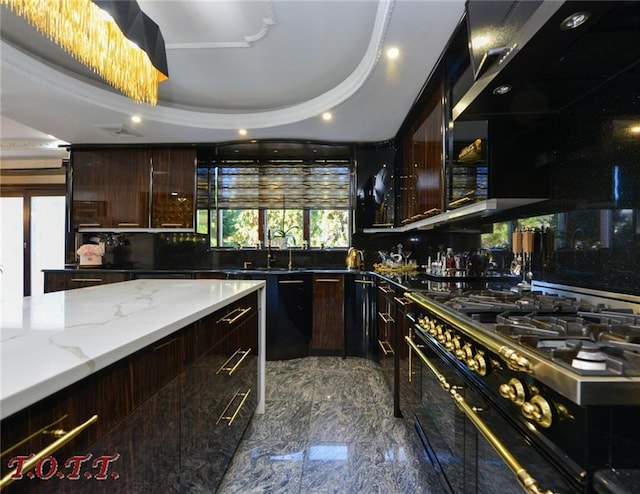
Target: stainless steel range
(561, 372)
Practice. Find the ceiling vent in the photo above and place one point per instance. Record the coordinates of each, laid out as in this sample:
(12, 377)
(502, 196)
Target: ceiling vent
(118, 131)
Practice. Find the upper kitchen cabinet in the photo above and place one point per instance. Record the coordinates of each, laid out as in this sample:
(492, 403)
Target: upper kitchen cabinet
(173, 184)
(110, 188)
(421, 179)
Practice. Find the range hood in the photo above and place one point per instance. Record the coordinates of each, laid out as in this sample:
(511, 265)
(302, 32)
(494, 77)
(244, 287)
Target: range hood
(548, 66)
(478, 209)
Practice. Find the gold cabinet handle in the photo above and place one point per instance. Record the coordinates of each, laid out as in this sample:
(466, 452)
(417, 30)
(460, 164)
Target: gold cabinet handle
(128, 224)
(364, 282)
(386, 289)
(226, 367)
(52, 448)
(386, 347)
(80, 280)
(328, 280)
(231, 418)
(529, 483)
(290, 282)
(82, 225)
(44, 430)
(240, 312)
(402, 301)
(385, 317)
(170, 224)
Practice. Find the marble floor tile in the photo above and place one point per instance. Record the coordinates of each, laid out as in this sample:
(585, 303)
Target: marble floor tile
(328, 429)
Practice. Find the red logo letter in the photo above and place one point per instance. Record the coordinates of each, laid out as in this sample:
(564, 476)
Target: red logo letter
(75, 462)
(103, 462)
(20, 461)
(52, 470)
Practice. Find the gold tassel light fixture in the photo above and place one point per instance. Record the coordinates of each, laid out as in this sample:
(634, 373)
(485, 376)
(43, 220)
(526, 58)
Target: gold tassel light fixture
(95, 38)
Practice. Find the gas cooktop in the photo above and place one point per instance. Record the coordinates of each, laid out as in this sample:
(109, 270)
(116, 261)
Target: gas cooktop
(588, 352)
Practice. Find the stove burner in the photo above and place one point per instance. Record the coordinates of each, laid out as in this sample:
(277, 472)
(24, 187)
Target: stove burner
(589, 357)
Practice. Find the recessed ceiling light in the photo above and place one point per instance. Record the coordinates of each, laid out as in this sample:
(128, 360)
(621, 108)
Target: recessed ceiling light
(327, 116)
(242, 132)
(393, 53)
(575, 20)
(503, 89)
(136, 119)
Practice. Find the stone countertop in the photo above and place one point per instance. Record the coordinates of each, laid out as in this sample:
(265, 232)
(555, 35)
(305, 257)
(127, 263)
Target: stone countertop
(53, 340)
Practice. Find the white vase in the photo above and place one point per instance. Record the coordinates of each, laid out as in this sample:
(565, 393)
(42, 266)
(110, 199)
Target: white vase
(283, 243)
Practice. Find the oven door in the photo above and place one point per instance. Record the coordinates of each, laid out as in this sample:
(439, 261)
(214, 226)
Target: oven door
(464, 438)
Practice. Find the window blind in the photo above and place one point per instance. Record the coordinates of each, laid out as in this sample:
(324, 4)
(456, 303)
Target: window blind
(294, 185)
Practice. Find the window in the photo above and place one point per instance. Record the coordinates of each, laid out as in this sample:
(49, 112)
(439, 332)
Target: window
(329, 228)
(239, 227)
(242, 202)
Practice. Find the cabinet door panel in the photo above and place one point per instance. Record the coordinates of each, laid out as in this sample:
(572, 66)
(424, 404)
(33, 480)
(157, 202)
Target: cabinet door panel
(328, 313)
(174, 172)
(110, 188)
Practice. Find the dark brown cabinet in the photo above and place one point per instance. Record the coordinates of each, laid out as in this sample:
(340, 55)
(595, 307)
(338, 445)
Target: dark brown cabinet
(327, 334)
(132, 188)
(110, 188)
(174, 412)
(173, 184)
(55, 281)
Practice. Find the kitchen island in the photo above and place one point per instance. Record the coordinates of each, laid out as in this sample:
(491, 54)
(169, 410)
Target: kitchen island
(113, 350)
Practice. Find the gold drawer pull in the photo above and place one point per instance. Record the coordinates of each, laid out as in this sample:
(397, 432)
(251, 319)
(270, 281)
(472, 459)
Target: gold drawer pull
(529, 483)
(386, 289)
(88, 224)
(386, 347)
(231, 418)
(230, 320)
(166, 343)
(92, 280)
(365, 282)
(44, 430)
(170, 224)
(225, 366)
(52, 448)
(385, 317)
(402, 301)
(328, 280)
(290, 282)
(128, 224)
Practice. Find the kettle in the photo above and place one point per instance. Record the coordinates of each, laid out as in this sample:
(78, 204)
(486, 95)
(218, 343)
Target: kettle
(355, 259)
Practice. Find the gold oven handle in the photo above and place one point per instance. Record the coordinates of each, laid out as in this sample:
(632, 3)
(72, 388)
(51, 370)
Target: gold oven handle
(52, 448)
(529, 484)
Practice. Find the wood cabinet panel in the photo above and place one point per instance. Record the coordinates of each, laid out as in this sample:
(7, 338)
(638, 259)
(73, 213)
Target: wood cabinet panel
(173, 181)
(328, 313)
(58, 280)
(110, 188)
(422, 176)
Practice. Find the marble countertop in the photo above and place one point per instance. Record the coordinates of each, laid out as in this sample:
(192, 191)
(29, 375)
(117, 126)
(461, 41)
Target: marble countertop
(53, 340)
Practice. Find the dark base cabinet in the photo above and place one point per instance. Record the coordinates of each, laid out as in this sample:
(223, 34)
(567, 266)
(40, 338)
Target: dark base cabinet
(360, 315)
(170, 416)
(289, 315)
